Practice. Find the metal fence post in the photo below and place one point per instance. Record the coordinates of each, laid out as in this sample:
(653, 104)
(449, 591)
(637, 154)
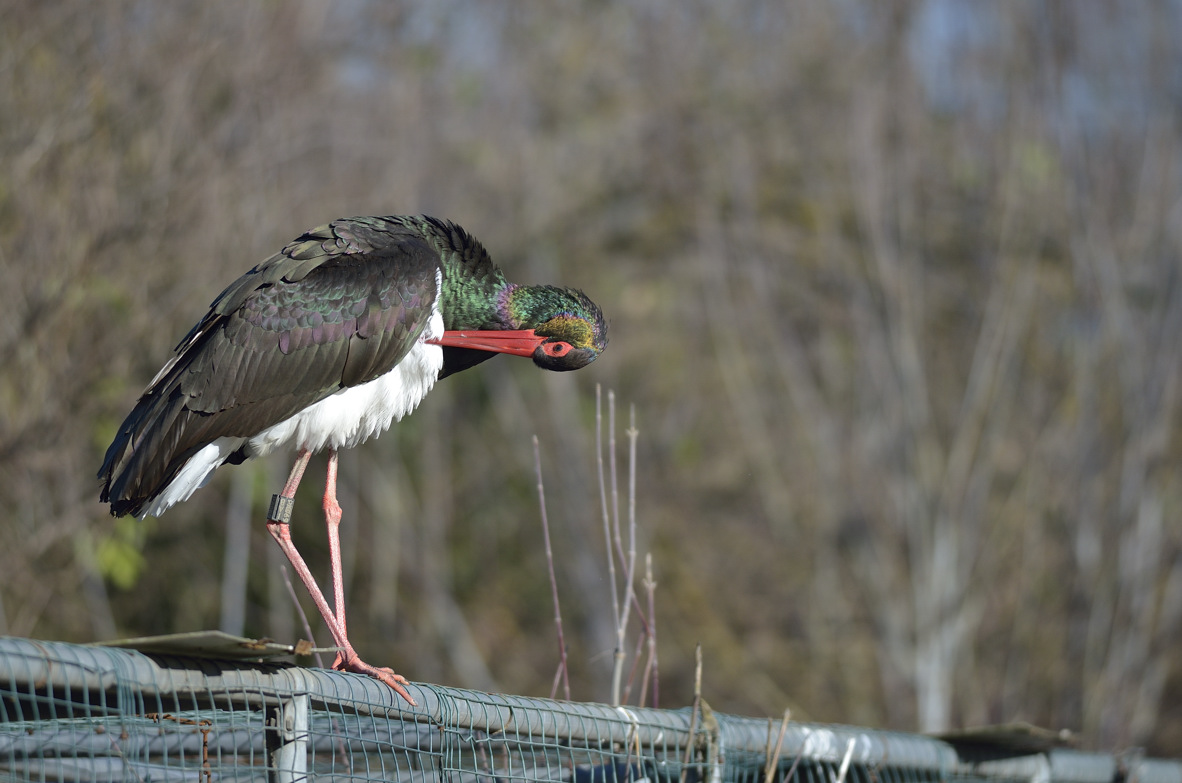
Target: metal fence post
(287, 739)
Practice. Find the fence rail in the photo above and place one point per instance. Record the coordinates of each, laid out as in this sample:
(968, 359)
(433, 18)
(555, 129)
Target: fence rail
(75, 713)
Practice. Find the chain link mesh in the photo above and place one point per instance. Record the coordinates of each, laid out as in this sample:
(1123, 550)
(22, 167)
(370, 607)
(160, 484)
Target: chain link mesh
(74, 713)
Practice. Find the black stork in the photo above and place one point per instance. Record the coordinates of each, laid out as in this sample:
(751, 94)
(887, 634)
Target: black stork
(323, 346)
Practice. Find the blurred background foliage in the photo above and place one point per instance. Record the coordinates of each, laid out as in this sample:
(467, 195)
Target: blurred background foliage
(894, 288)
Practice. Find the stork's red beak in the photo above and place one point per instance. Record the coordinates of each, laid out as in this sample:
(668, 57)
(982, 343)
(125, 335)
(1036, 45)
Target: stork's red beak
(521, 342)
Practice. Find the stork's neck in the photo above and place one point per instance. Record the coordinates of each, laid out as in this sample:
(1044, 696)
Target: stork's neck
(473, 301)
(477, 297)
(475, 293)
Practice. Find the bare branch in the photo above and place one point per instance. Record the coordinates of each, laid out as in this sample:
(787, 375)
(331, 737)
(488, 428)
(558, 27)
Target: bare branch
(695, 713)
(562, 662)
(773, 752)
(303, 617)
(651, 670)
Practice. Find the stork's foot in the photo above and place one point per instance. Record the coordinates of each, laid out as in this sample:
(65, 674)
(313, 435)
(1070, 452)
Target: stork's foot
(348, 660)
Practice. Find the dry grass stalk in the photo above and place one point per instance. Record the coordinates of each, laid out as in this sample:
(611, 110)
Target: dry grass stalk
(562, 662)
(773, 756)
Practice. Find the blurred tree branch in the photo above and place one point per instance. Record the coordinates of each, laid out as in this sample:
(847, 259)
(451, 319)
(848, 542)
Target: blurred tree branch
(898, 287)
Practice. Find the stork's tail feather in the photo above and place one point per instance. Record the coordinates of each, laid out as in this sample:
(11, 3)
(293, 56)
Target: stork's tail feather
(146, 470)
(193, 473)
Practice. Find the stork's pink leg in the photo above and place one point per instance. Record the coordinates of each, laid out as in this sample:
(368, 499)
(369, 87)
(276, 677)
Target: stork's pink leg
(347, 658)
(278, 525)
(332, 520)
(297, 473)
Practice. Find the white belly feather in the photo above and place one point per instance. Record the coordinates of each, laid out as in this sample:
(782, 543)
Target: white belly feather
(340, 421)
(354, 415)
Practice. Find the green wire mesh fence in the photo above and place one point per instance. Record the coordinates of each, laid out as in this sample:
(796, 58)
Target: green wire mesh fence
(74, 713)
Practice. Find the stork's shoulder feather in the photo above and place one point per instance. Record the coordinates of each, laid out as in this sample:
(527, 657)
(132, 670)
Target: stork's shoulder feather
(337, 307)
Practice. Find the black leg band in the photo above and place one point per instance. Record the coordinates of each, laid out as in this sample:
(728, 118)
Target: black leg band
(280, 510)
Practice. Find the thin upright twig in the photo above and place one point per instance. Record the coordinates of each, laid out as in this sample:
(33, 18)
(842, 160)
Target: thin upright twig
(845, 762)
(633, 435)
(650, 668)
(611, 455)
(614, 550)
(632, 671)
(792, 769)
(773, 758)
(697, 709)
(553, 581)
(628, 560)
(607, 527)
(303, 617)
(767, 762)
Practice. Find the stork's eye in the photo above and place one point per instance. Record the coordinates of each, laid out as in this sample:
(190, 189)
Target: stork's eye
(556, 350)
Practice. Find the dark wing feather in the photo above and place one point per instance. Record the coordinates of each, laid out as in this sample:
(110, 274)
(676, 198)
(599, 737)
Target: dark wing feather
(338, 307)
